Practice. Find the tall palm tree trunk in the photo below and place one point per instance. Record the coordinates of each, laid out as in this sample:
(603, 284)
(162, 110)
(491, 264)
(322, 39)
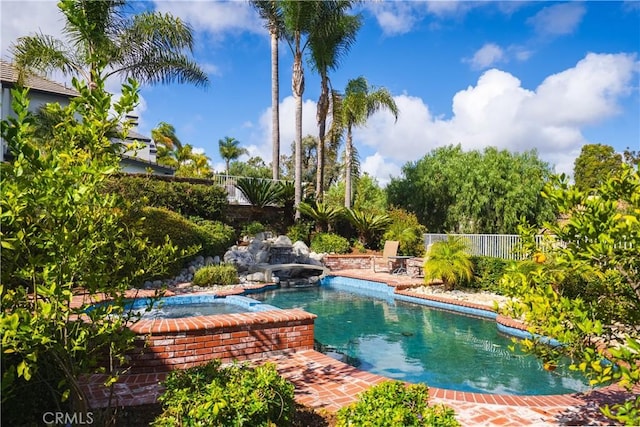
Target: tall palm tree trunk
(321, 115)
(347, 166)
(275, 106)
(298, 89)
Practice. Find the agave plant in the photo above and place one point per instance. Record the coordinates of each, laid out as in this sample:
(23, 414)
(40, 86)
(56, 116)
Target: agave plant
(259, 192)
(323, 214)
(448, 261)
(367, 224)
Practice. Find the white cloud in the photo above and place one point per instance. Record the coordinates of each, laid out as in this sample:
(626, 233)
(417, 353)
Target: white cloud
(21, 18)
(558, 19)
(487, 56)
(498, 111)
(214, 17)
(397, 17)
(380, 168)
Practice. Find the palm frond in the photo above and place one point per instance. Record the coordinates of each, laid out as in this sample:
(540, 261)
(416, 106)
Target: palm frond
(259, 192)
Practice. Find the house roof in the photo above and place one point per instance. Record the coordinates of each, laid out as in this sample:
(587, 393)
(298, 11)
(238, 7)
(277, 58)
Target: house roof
(9, 77)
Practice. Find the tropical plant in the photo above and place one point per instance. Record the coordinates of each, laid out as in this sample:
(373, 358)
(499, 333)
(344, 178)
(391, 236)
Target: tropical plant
(230, 150)
(323, 214)
(254, 167)
(271, 12)
(302, 21)
(235, 395)
(406, 229)
(103, 40)
(327, 49)
(259, 192)
(598, 321)
(61, 232)
(448, 260)
(359, 103)
(367, 224)
(393, 403)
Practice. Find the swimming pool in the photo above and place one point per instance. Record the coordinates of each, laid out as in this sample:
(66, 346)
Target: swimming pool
(410, 342)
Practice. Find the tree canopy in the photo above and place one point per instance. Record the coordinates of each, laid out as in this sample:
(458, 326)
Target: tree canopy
(594, 165)
(487, 191)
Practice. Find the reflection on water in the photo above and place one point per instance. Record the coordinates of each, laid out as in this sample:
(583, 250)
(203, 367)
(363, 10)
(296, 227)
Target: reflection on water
(414, 343)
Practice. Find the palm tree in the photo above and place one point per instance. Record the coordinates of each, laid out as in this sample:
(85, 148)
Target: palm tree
(359, 103)
(304, 20)
(230, 150)
(448, 261)
(167, 144)
(103, 41)
(326, 51)
(270, 11)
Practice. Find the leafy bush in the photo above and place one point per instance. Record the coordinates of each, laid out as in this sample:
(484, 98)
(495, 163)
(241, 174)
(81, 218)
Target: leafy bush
(210, 275)
(188, 199)
(253, 228)
(301, 230)
(487, 272)
(406, 229)
(392, 403)
(323, 214)
(330, 243)
(237, 395)
(216, 237)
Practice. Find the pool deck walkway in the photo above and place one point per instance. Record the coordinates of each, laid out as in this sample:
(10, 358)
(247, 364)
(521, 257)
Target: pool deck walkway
(326, 384)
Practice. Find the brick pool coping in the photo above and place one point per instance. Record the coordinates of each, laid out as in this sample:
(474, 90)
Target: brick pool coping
(325, 383)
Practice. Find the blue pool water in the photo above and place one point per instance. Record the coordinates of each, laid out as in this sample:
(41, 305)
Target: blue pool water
(195, 305)
(414, 343)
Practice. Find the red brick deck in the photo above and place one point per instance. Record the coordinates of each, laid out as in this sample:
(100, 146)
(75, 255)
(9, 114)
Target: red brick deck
(322, 382)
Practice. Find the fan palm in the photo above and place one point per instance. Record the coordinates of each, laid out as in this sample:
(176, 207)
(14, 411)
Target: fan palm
(323, 214)
(101, 40)
(271, 12)
(367, 224)
(304, 20)
(448, 261)
(230, 150)
(326, 51)
(359, 103)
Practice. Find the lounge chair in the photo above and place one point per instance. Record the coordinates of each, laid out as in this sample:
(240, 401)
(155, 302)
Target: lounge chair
(390, 250)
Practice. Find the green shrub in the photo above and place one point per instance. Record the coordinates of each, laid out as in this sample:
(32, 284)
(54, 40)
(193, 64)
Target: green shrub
(237, 395)
(300, 231)
(406, 229)
(330, 243)
(210, 275)
(216, 237)
(161, 223)
(392, 403)
(259, 192)
(253, 228)
(487, 272)
(188, 199)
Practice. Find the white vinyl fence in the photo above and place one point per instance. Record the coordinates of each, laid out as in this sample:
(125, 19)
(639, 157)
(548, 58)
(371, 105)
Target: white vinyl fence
(229, 182)
(506, 246)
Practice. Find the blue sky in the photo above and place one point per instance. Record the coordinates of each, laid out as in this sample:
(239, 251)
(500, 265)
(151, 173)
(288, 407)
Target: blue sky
(515, 75)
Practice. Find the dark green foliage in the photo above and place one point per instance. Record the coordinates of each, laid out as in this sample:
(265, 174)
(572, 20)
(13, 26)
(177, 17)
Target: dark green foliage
(204, 201)
(259, 192)
(406, 229)
(368, 224)
(210, 275)
(252, 228)
(487, 272)
(301, 230)
(323, 214)
(392, 403)
(237, 395)
(594, 165)
(216, 237)
(452, 191)
(330, 243)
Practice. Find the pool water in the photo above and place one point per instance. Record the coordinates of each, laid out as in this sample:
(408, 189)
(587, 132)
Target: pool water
(414, 343)
(177, 311)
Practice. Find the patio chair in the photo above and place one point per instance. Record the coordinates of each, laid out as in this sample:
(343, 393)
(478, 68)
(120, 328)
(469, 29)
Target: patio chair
(390, 250)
